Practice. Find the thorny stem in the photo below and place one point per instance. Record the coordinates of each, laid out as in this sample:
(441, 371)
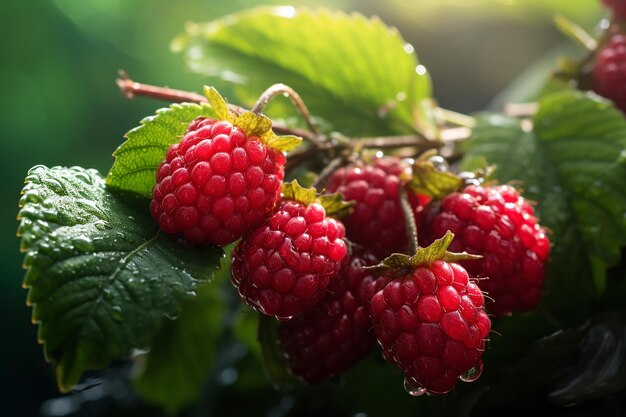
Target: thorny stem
(282, 89)
(409, 218)
(320, 142)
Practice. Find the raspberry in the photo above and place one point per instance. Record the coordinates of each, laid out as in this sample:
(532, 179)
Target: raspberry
(499, 224)
(335, 335)
(377, 221)
(431, 323)
(283, 266)
(216, 183)
(609, 71)
(617, 7)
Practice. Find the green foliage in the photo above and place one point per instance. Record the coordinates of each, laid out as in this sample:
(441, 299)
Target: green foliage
(274, 361)
(573, 165)
(101, 278)
(183, 353)
(355, 72)
(137, 159)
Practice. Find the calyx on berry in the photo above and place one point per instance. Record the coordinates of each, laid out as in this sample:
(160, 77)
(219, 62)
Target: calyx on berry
(438, 250)
(334, 204)
(251, 123)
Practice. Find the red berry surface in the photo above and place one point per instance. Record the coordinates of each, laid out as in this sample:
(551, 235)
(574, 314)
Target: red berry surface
(617, 7)
(216, 183)
(499, 224)
(336, 334)
(432, 325)
(609, 71)
(283, 266)
(376, 221)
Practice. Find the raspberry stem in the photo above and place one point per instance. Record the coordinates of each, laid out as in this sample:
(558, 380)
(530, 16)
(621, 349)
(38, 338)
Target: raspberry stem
(282, 89)
(409, 218)
(331, 148)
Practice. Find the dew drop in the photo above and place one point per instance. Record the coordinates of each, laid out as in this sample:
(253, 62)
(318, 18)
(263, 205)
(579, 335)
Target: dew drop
(413, 390)
(473, 374)
(117, 313)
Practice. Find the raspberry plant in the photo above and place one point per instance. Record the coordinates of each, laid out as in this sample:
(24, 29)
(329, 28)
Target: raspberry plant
(135, 266)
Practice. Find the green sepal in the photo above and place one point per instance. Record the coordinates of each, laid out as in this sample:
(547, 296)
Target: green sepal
(438, 250)
(218, 104)
(253, 124)
(334, 204)
(284, 143)
(430, 181)
(258, 125)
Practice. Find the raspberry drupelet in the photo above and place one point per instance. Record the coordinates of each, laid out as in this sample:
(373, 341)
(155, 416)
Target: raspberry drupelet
(216, 183)
(499, 224)
(431, 323)
(337, 333)
(377, 221)
(283, 266)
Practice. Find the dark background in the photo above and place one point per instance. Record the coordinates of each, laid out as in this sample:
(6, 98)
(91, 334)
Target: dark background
(60, 106)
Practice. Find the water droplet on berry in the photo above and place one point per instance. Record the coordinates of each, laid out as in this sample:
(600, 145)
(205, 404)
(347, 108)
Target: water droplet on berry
(473, 374)
(413, 390)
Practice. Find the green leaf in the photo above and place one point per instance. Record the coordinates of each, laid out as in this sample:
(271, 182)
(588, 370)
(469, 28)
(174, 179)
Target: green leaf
(573, 164)
(353, 71)
(182, 356)
(274, 360)
(137, 159)
(101, 277)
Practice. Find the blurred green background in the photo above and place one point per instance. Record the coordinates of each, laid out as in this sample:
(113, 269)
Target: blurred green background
(60, 105)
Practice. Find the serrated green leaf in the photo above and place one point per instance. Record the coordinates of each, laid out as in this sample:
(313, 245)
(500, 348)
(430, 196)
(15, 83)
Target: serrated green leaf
(353, 71)
(183, 352)
(137, 159)
(572, 166)
(101, 278)
(217, 103)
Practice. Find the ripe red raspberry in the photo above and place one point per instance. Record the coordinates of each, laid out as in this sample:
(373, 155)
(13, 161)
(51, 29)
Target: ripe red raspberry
(609, 71)
(216, 183)
(336, 334)
(499, 224)
(376, 221)
(283, 266)
(431, 323)
(617, 7)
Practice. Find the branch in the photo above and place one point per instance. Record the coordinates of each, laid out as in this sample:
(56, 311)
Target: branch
(322, 145)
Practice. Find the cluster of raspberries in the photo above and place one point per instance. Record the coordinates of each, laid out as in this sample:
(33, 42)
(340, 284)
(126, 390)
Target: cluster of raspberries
(219, 185)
